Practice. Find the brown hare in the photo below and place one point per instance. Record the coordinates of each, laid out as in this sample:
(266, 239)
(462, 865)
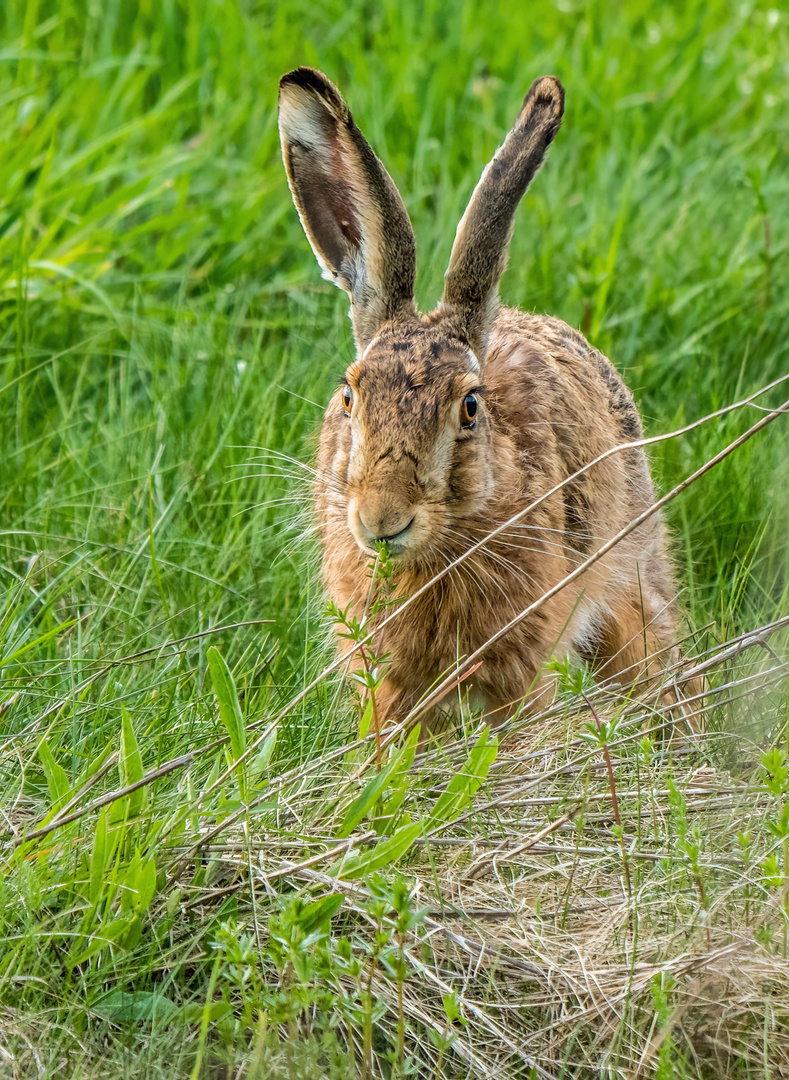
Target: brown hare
(448, 424)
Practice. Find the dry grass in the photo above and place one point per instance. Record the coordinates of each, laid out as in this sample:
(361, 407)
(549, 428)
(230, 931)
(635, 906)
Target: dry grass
(573, 946)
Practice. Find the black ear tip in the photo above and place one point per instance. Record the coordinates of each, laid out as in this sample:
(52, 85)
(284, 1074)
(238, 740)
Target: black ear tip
(311, 81)
(306, 78)
(546, 92)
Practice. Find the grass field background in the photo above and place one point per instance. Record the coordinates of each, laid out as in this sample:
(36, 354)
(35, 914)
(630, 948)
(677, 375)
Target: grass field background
(163, 323)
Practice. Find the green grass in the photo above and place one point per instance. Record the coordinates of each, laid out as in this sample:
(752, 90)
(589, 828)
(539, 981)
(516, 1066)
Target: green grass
(162, 321)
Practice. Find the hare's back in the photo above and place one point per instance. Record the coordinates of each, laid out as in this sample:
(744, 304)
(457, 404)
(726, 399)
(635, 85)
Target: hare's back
(564, 404)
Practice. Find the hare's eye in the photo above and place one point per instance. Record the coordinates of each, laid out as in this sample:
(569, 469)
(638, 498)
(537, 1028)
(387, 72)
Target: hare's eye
(347, 399)
(468, 410)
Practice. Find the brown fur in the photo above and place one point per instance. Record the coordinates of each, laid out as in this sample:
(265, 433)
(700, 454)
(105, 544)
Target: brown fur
(400, 466)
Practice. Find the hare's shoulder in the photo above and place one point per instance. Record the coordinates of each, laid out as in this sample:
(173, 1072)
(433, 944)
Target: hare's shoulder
(540, 366)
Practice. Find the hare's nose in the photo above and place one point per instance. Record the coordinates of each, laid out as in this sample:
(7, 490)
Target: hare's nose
(385, 524)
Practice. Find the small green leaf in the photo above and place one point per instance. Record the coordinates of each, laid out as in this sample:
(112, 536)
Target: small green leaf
(776, 771)
(229, 712)
(138, 884)
(128, 883)
(98, 859)
(463, 785)
(367, 718)
(57, 780)
(130, 764)
(780, 826)
(405, 756)
(146, 885)
(365, 801)
(319, 913)
(215, 1011)
(136, 1006)
(382, 855)
(260, 762)
(399, 765)
(387, 820)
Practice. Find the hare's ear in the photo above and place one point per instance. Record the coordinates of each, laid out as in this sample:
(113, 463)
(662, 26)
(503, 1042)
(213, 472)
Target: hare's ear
(349, 206)
(479, 254)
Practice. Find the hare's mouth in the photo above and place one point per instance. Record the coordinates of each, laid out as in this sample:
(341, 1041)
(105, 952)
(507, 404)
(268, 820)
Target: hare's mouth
(401, 538)
(394, 537)
(395, 544)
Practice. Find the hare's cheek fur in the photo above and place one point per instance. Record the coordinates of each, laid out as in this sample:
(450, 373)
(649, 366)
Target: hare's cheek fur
(471, 475)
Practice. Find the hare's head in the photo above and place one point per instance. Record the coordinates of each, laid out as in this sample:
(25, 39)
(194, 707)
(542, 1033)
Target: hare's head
(406, 437)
